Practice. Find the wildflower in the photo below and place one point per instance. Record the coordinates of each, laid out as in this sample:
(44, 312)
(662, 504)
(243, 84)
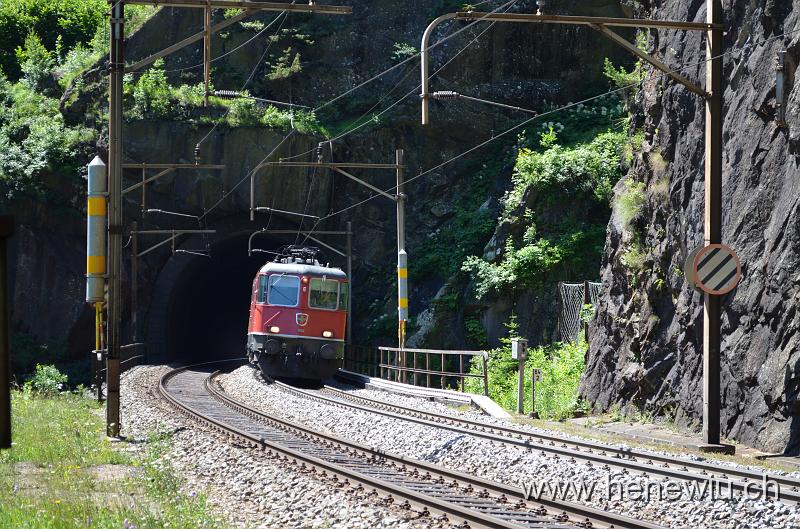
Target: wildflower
(193, 494)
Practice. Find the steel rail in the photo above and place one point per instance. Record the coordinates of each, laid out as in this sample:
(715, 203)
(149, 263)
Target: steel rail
(409, 475)
(584, 516)
(476, 518)
(702, 466)
(624, 459)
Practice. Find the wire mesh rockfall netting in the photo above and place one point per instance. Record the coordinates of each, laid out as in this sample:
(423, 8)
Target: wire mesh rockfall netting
(572, 297)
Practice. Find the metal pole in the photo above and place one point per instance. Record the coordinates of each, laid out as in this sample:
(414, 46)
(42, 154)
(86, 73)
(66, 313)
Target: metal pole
(402, 256)
(521, 385)
(97, 361)
(586, 300)
(252, 197)
(207, 51)
(6, 230)
(350, 286)
(713, 221)
(135, 280)
(485, 358)
(425, 59)
(116, 67)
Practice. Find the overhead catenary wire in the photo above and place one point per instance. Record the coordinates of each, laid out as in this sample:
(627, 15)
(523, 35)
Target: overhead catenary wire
(653, 74)
(215, 59)
(202, 219)
(350, 90)
(249, 78)
(413, 91)
(432, 46)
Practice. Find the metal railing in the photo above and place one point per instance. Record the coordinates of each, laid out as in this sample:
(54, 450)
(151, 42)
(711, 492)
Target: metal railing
(406, 365)
(362, 359)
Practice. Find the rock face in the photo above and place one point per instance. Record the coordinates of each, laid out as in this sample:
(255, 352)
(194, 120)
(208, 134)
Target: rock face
(646, 341)
(508, 62)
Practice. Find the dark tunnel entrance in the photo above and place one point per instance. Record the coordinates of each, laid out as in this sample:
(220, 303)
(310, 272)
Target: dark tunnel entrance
(209, 303)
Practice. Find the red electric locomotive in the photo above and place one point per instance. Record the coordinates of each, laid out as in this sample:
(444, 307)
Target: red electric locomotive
(298, 315)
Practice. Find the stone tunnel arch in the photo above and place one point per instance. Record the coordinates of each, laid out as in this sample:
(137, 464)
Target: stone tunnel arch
(199, 305)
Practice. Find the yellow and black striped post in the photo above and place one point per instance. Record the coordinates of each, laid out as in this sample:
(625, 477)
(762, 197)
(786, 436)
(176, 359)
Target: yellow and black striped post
(96, 214)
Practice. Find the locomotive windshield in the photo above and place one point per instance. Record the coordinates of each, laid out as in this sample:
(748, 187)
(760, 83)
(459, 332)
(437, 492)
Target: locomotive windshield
(323, 294)
(283, 290)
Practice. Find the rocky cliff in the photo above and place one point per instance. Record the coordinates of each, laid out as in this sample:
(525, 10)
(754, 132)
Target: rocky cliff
(516, 64)
(646, 341)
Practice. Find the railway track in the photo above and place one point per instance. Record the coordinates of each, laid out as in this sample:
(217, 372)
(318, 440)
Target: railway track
(624, 459)
(436, 492)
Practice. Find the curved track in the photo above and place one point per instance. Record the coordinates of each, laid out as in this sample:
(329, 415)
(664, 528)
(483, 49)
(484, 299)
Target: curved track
(453, 496)
(625, 459)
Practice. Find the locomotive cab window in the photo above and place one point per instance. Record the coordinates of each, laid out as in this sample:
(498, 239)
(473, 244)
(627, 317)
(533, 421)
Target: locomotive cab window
(283, 290)
(262, 290)
(323, 293)
(344, 297)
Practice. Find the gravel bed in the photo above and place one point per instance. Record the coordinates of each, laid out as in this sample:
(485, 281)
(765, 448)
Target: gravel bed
(475, 415)
(512, 465)
(247, 487)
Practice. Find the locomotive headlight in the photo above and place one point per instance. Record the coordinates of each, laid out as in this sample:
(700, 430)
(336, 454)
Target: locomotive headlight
(275, 329)
(327, 334)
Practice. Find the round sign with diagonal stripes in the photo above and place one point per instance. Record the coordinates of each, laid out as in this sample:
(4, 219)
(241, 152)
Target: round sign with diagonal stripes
(717, 269)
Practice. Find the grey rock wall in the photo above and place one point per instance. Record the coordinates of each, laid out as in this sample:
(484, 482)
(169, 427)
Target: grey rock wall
(646, 341)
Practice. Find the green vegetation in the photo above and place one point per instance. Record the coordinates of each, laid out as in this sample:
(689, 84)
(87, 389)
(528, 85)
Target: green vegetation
(46, 381)
(152, 97)
(631, 201)
(34, 140)
(286, 66)
(403, 51)
(619, 76)
(49, 478)
(554, 175)
(556, 395)
(629, 204)
(57, 24)
(48, 44)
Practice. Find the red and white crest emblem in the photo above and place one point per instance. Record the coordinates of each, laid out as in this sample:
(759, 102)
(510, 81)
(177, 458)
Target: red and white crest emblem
(301, 319)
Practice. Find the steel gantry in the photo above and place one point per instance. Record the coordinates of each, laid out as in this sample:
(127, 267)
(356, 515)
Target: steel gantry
(712, 95)
(117, 70)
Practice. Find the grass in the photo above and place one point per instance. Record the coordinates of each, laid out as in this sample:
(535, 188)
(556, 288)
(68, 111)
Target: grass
(62, 472)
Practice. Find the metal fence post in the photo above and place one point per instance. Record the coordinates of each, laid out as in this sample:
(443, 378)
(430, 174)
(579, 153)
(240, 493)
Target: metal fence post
(428, 369)
(461, 370)
(6, 230)
(485, 357)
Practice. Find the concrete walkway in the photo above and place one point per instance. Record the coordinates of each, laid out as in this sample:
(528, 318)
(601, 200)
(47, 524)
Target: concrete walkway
(446, 396)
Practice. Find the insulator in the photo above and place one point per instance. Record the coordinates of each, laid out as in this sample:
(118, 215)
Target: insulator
(197, 154)
(542, 4)
(445, 95)
(226, 94)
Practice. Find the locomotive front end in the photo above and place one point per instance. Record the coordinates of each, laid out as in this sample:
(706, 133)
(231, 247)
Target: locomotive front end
(298, 316)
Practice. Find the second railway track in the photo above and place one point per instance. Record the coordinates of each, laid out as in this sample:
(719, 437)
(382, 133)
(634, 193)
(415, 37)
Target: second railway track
(433, 490)
(623, 458)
